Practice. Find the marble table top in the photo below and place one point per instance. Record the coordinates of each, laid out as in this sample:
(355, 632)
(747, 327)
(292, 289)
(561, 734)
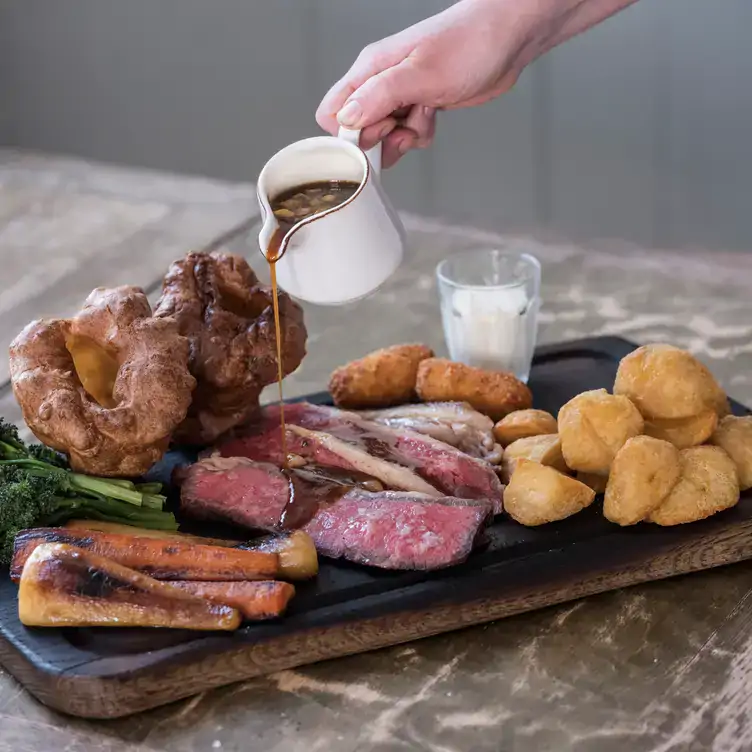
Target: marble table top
(664, 666)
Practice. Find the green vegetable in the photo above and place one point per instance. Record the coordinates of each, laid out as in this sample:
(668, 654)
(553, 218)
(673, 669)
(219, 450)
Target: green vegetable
(37, 488)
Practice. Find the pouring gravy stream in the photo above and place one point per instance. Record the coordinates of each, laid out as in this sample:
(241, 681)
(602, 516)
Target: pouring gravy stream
(289, 208)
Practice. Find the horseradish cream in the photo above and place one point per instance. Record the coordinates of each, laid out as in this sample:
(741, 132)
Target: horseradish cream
(492, 328)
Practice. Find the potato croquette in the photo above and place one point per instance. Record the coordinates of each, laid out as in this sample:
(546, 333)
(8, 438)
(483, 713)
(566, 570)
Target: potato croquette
(381, 379)
(734, 436)
(493, 393)
(708, 484)
(594, 426)
(522, 424)
(643, 473)
(667, 383)
(538, 494)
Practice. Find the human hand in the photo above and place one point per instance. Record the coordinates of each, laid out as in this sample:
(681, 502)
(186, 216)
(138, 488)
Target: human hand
(467, 55)
(464, 56)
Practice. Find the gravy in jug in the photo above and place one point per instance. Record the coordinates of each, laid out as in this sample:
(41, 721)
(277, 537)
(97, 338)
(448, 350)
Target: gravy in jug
(304, 201)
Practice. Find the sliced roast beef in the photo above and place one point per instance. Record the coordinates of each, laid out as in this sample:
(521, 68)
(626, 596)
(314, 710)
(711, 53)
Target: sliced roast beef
(394, 530)
(263, 443)
(398, 530)
(454, 423)
(356, 458)
(235, 489)
(447, 469)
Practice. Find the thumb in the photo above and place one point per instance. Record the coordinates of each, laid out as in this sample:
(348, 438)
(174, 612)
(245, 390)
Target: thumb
(400, 86)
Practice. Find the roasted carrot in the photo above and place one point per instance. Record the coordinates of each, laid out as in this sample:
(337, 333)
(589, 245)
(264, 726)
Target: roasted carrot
(161, 559)
(298, 559)
(255, 600)
(64, 586)
(297, 553)
(119, 529)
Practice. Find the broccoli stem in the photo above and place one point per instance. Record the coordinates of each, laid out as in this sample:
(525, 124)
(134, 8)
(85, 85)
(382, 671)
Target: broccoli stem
(11, 451)
(110, 510)
(105, 488)
(122, 482)
(149, 488)
(153, 501)
(87, 483)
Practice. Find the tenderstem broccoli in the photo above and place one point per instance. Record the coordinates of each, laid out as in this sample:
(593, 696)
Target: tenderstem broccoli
(38, 488)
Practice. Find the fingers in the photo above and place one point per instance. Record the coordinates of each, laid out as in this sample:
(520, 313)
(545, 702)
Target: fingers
(416, 132)
(382, 94)
(373, 134)
(422, 122)
(395, 146)
(419, 120)
(371, 61)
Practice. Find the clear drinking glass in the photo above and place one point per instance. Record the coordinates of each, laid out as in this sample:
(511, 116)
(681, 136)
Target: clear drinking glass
(489, 308)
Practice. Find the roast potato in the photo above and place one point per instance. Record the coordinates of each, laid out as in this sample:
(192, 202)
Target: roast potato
(708, 484)
(667, 383)
(593, 426)
(524, 423)
(722, 405)
(493, 393)
(591, 480)
(643, 473)
(684, 432)
(543, 449)
(734, 436)
(538, 494)
(383, 378)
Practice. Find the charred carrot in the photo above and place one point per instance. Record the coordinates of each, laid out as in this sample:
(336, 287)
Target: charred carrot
(143, 532)
(64, 586)
(255, 600)
(298, 559)
(160, 559)
(297, 553)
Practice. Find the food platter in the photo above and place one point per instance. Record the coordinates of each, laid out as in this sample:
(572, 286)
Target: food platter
(105, 673)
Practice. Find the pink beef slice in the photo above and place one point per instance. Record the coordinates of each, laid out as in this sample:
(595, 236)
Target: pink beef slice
(451, 471)
(262, 442)
(398, 530)
(388, 529)
(249, 494)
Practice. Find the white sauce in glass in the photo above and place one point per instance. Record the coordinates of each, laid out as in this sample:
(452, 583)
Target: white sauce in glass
(491, 328)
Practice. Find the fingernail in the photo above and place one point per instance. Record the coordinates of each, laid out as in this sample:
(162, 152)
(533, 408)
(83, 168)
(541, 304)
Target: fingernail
(385, 131)
(428, 112)
(404, 145)
(350, 114)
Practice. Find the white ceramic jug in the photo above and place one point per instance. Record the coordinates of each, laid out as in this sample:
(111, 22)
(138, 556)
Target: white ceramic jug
(345, 252)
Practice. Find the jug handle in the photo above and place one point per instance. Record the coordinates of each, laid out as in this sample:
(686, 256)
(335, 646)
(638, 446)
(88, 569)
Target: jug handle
(374, 154)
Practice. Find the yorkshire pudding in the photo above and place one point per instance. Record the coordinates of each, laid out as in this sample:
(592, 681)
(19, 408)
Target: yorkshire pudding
(108, 386)
(227, 315)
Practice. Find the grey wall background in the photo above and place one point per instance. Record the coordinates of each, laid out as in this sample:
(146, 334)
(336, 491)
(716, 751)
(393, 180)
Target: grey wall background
(639, 129)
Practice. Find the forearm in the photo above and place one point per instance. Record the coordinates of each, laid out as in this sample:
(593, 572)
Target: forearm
(567, 18)
(533, 27)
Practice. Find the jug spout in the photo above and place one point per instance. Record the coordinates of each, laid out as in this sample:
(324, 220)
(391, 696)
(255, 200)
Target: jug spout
(268, 230)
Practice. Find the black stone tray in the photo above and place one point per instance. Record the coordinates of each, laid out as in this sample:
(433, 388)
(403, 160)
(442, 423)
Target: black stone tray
(105, 673)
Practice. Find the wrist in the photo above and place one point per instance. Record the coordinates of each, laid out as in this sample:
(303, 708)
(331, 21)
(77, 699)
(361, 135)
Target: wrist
(539, 25)
(526, 26)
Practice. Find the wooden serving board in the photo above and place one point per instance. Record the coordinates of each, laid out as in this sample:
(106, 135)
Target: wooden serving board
(106, 673)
